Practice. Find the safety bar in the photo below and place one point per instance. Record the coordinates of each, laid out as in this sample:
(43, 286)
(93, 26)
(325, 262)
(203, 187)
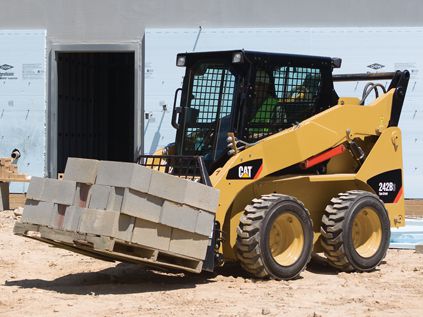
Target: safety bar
(364, 76)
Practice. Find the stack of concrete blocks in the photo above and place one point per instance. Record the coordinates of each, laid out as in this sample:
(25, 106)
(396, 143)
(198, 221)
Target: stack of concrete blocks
(47, 202)
(128, 202)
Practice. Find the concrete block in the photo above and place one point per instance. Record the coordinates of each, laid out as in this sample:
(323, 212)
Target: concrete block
(101, 222)
(81, 195)
(419, 248)
(37, 212)
(35, 188)
(188, 244)
(81, 170)
(167, 186)
(72, 218)
(179, 216)
(59, 191)
(58, 216)
(100, 197)
(121, 174)
(201, 196)
(124, 228)
(142, 205)
(184, 191)
(151, 234)
(116, 199)
(141, 178)
(205, 221)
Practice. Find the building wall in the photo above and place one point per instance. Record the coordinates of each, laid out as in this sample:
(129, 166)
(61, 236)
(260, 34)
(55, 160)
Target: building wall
(107, 22)
(126, 20)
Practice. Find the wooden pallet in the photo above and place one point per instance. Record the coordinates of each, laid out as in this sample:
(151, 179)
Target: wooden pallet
(414, 208)
(107, 248)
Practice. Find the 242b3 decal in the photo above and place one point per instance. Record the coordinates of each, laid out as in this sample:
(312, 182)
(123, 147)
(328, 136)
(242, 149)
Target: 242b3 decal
(388, 185)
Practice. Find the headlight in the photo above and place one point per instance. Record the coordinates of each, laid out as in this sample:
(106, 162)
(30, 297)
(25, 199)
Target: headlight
(237, 58)
(180, 61)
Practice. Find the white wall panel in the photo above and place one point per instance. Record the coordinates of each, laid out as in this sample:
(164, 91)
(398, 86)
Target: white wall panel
(358, 47)
(22, 99)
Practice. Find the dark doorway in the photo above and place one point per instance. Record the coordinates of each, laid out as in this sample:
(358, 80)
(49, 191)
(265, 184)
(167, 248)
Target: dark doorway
(95, 106)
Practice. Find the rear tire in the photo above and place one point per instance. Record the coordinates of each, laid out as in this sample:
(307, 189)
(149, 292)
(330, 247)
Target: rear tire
(355, 231)
(275, 237)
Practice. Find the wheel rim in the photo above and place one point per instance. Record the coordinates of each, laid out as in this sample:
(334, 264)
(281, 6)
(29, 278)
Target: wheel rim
(367, 232)
(286, 239)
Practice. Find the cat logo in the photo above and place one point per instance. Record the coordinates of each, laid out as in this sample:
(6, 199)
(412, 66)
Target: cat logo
(247, 170)
(244, 171)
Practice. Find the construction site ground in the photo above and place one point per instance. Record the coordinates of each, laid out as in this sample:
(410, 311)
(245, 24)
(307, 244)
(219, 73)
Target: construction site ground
(39, 280)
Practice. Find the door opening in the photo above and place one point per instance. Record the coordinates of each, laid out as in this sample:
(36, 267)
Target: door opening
(95, 113)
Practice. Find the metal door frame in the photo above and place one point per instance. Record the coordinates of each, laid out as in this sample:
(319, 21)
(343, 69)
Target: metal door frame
(52, 91)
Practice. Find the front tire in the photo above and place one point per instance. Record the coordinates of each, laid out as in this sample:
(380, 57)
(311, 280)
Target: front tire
(275, 237)
(355, 231)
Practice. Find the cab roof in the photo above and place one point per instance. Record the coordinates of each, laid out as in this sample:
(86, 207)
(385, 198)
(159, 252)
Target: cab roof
(256, 57)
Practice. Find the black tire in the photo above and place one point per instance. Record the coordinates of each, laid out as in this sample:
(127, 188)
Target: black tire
(350, 244)
(257, 226)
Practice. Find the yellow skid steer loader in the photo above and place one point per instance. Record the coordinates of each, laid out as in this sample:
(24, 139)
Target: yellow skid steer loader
(299, 169)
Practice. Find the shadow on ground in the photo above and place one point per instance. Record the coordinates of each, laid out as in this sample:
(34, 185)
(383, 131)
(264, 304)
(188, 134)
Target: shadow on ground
(127, 278)
(124, 278)
(319, 265)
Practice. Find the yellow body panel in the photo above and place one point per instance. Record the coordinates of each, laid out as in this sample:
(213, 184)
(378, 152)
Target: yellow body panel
(313, 136)
(348, 101)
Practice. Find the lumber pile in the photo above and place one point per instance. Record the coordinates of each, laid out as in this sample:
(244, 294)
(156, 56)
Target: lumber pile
(9, 171)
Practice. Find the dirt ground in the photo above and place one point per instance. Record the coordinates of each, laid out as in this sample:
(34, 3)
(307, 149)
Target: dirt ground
(39, 280)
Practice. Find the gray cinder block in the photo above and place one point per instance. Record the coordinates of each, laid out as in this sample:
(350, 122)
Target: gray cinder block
(167, 186)
(116, 199)
(205, 221)
(81, 195)
(142, 205)
(58, 216)
(124, 228)
(122, 174)
(100, 197)
(37, 212)
(81, 170)
(58, 191)
(35, 188)
(72, 217)
(101, 222)
(179, 216)
(201, 196)
(188, 244)
(151, 234)
(184, 191)
(419, 248)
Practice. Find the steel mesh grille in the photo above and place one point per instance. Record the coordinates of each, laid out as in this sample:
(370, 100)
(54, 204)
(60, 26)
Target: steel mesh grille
(211, 99)
(188, 167)
(282, 98)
